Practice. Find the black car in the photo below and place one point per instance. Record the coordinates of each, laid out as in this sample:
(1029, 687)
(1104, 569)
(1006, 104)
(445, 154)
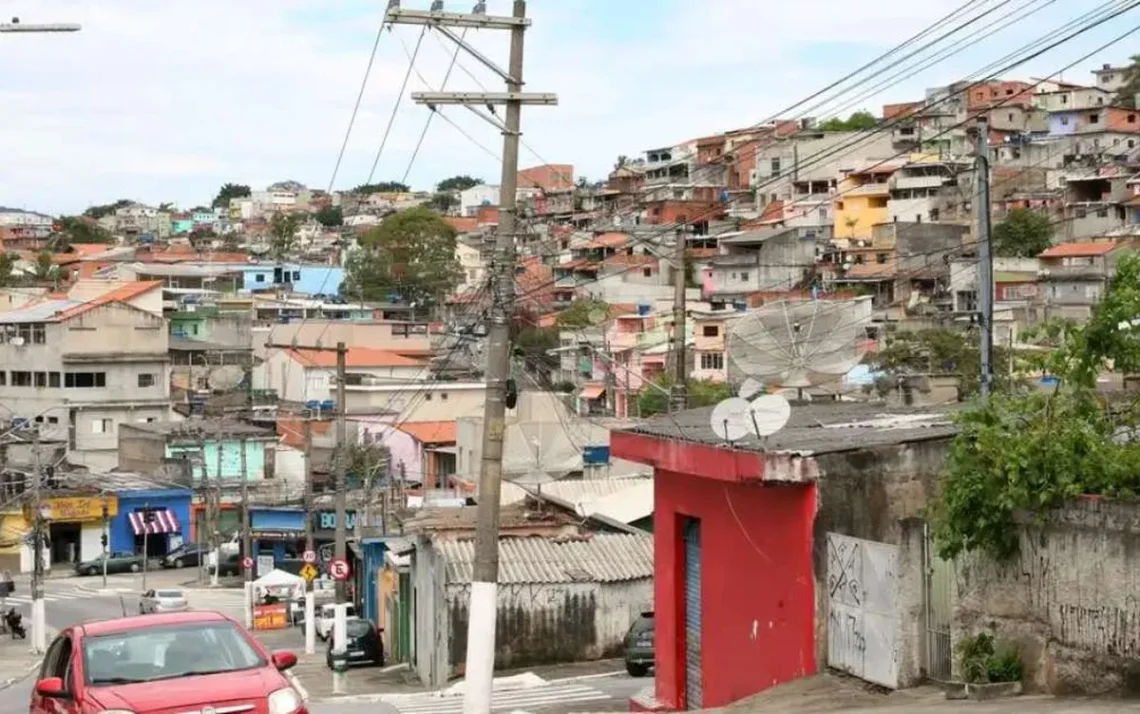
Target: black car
(639, 646)
(230, 565)
(363, 643)
(185, 555)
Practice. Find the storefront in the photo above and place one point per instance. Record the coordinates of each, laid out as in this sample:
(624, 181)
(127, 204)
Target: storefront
(165, 530)
(75, 526)
(229, 521)
(280, 532)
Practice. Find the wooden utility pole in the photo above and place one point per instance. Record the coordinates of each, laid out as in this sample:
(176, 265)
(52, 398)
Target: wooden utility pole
(215, 536)
(340, 549)
(481, 622)
(985, 256)
(678, 397)
(246, 535)
(308, 498)
(39, 617)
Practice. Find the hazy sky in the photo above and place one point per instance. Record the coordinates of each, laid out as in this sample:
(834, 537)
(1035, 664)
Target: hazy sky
(164, 100)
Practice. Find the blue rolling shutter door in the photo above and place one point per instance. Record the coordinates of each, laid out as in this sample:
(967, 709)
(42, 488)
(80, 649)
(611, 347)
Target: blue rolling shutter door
(693, 694)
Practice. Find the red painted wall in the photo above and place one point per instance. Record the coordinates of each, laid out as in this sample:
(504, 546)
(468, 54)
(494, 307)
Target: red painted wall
(758, 596)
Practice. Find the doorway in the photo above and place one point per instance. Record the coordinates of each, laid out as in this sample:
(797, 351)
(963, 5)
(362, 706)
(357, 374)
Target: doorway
(64, 539)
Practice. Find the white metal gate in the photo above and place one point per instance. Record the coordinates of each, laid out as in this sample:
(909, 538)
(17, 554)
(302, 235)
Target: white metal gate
(863, 625)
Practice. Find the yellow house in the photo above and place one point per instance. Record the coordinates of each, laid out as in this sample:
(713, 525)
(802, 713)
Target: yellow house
(861, 200)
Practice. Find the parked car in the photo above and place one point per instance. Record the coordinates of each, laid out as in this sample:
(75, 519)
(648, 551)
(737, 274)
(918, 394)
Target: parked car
(168, 600)
(325, 617)
(230, 565)
(116, 563)
(639, 646)
(180, 662)
(185, 555)
(362, 642)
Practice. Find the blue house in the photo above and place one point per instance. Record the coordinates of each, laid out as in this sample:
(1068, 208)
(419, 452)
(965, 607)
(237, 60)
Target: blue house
(168, 528)
(368, 559)
(280, 532)
(307, 279)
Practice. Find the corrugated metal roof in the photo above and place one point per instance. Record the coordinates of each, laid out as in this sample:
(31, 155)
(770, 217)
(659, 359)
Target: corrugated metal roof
(602, 558)
(571, 491)
(39, 312)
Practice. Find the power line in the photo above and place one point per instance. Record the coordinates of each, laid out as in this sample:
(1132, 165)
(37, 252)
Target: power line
(396, 104)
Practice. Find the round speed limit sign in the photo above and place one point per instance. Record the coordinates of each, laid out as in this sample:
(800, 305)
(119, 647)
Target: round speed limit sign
(338, 569)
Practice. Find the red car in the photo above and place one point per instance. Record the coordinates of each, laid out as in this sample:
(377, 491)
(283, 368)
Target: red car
(201, 662)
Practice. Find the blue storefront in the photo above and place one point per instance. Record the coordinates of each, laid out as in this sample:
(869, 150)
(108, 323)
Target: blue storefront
(167, 529)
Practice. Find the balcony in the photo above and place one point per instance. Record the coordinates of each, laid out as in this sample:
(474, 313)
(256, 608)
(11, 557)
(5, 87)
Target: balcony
(1073, 272)
(905, 182)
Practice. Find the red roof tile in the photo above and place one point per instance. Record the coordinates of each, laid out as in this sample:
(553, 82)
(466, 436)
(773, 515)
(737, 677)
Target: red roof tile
(430, 432)
(1081, 249)
(123, 293)
(359, 357)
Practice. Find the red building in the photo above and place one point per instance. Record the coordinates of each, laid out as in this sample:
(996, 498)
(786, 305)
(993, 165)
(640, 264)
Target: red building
(745, 536)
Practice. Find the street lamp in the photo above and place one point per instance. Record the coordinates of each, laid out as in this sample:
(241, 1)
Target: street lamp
(16, 26)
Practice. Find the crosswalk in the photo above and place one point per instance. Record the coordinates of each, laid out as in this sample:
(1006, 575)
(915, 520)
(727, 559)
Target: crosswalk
(508, 701)
(25, 598)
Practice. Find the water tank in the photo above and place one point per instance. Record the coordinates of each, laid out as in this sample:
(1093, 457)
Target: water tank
(644, 308)
(328, 405)
(740, 306)
(313, 404)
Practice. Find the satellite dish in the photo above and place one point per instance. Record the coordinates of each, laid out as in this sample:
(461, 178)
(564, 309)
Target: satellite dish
(223, 379)
(750, 388)
(770, 412)
(799, 343)
(258, 249)
(731, 419)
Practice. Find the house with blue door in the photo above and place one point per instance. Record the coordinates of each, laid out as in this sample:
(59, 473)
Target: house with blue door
(169, 526)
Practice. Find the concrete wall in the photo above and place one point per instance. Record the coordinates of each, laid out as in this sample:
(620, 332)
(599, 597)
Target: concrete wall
(429, 616)
(1069, 599)
(329, 332)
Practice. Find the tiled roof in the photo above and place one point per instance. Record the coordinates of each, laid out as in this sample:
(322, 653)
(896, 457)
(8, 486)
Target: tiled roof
(1081, 249)
(571, 490)
(359, 357)
(462, 224)
(123, 293)
(430, 432)
(605, 240)
(601, 558)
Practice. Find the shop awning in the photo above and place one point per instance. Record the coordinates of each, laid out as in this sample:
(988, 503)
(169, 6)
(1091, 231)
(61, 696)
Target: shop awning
(593, 391)
(164, 521)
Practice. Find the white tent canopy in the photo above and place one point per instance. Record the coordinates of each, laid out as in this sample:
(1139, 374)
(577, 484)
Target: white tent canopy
(280, 583)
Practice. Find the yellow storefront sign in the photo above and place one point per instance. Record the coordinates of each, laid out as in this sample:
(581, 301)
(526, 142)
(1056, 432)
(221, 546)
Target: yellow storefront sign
(79, 508)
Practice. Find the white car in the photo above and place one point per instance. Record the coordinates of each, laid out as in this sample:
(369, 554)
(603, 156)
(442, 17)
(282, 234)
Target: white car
(166, 600)
(325, 618)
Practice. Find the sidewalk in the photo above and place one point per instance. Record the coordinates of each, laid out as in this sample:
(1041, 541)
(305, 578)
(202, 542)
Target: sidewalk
(17, 661)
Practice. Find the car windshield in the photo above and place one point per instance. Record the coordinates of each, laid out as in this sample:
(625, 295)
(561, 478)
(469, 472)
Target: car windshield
(169, 594)
(167, 652)
(357, 628)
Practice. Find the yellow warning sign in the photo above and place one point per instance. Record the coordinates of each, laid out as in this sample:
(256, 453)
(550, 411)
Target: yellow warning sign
(309, 572)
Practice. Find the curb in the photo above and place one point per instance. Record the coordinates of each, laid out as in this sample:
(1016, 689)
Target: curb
(16, 680)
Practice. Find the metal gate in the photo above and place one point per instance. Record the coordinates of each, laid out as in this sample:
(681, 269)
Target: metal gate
(937, 585)
(693, 693)
(863, 625)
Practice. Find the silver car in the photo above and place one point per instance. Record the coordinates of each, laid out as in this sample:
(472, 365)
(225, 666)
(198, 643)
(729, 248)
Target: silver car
(162, 601)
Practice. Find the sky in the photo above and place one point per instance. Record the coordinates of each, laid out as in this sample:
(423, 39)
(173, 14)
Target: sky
(164, 101)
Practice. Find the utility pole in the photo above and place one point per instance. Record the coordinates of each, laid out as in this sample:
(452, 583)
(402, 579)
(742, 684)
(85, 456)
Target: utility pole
(308, 436)
(246, 536)
(148, 518)
(985, 256)
(678, 396)
(204, 523)
(481, 622)
(39, 619)
(340, 549)
(105, 539)
(215, 496)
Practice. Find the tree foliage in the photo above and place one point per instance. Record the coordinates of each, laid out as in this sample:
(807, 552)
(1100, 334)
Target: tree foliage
(583, 313)
(7, 268)
(229, 191)
(457, 183)
(940, 351)
(858, 121)
(1030, 450)
(330, 216)
(654, 398)
(382, 187)
(44, 267)
(74, 229)
(106, 209)
(1024, 233)
(1126, 95)
(411, 254)
(443, 201)
(283, 233)
(202, 238)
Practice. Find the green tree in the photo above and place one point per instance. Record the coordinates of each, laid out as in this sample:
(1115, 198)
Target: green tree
(382, 187)
(1023, 234)
(457, 183)
(75, 229)
(283, 233)
(1030, 450)
(410, 254)
(202, 238)
(859, 121)
(940, 351)
(106, 209)
(228, 191)
(533, 346)
(1126, 95)
(7, 268)
(443, 202)
(583, 313)
(330, 216)
(45, 268)
(654, 398)
(166, 207)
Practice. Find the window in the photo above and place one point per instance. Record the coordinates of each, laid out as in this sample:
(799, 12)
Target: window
(443, 396)
(775, 167)
(53, 380)
(839, 206)
(3, 378)
(53, 420)
(102, 426)
(646, 272)
(167, 652)
(710, 330)
(1094, 118)
(1131, 118)
(259, 278)
(85, 380)
(1064, 121)
(146, 380)
(712, 360)
(881, 258)
(21, 379)
(744, 276)
(41, 379)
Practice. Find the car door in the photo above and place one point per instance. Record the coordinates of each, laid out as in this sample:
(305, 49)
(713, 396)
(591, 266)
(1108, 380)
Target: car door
(57, 663)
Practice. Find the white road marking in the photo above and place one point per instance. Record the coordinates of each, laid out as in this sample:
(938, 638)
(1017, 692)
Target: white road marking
(536, 697)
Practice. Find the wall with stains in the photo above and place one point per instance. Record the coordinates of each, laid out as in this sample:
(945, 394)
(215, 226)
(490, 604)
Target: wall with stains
(548, 623)
(1071, 599)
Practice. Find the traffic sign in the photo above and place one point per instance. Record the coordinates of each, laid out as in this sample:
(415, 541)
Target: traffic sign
(309, 572)
(309, 556)
(338, 569)
(247, 562)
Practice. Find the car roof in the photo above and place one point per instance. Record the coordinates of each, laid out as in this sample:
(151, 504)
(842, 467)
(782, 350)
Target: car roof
(128, 624)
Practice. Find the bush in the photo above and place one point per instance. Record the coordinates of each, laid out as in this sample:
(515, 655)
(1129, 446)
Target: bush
(981, 661)
(1005, 664)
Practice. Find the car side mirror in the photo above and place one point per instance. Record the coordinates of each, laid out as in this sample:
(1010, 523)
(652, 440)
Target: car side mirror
(284, 660)
(52, 688)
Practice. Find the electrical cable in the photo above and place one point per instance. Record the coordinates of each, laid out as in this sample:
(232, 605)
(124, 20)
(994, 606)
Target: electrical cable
(427, 122)
(396, 104)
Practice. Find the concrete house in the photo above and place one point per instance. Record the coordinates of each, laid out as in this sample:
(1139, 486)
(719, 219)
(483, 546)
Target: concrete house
(1074, 275)
(82, 369)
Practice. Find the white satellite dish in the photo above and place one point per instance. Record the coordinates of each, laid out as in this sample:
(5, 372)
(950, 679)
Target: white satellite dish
(225, 378)
(731, 419)
(770, 412)
(799, 343)
(750, 388)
